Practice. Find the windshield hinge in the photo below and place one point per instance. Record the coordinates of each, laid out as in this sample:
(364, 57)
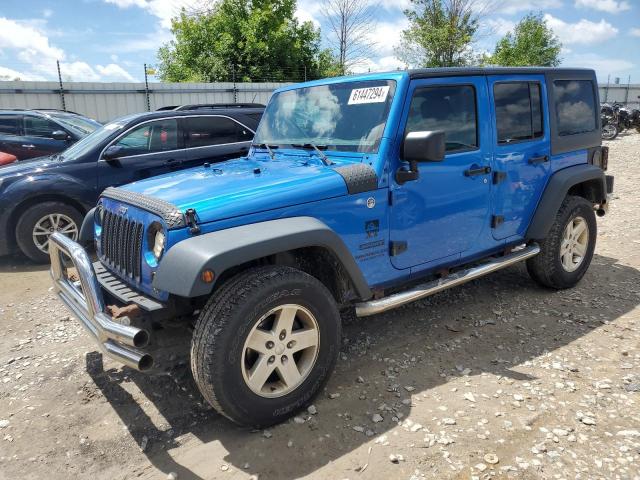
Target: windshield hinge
(190, 217)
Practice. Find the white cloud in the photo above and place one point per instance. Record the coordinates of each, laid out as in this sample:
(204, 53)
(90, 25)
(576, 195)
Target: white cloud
(499, 26)
(11, 74)
(30, 45)
(113, 72)
(602, 65)
(30, 42)
(384, 64)
(510, 7)
(635, 32)
(47, 12)
(583, 32)
(609, 6)
(386, 37)
(165, 10)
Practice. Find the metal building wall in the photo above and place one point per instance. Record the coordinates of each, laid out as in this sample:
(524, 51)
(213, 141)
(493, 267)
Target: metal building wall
(106, 101)
(627, 94)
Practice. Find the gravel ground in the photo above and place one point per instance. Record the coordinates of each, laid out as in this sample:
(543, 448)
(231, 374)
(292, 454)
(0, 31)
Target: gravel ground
(496, 379)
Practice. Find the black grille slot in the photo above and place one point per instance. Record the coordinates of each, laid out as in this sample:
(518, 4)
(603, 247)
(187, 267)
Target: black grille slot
(121, 244)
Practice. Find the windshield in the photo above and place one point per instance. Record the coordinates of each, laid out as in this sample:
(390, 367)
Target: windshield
(92, 140)
(347, 116)
(80, 125)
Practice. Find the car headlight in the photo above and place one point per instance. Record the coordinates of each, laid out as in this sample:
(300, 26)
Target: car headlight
(158, 244)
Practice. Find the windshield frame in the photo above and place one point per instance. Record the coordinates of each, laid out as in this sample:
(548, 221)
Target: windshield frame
(334, 146)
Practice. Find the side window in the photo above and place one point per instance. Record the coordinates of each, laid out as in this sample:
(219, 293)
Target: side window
(575, 106)
(39, 127)
(206, 131)
(152, 137)
(518, 111)
(9, 125)
(448, 108)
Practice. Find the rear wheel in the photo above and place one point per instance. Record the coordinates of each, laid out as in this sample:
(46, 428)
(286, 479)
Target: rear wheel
(567, 251)
(609, 132)
(265, 344)
(38, 222)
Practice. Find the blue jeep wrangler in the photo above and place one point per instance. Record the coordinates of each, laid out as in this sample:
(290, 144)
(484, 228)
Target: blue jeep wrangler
(368, 191)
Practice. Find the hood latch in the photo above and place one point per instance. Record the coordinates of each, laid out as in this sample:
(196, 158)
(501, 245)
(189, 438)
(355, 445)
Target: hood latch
(190, 217)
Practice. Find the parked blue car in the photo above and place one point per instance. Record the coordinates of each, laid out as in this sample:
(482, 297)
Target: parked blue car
(53, 193)
(364, 192)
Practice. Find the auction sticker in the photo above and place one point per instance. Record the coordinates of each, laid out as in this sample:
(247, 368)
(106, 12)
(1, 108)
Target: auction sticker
(368, 95)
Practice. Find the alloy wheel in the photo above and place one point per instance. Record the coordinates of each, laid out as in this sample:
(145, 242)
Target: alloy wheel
(280, 351)
(49, 224)
(575, 242)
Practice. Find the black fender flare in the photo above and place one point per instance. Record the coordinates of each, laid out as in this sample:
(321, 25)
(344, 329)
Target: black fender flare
(180, 269)
(85, 237)
(556, 190)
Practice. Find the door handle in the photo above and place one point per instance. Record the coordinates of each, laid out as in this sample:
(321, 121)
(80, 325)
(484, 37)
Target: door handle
(477, 171)
(29, 147)
(173, 161)
(539, 160)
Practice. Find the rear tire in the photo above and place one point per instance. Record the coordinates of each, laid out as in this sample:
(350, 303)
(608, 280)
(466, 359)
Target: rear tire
(609, 132)
(566, 252)
(38, 222)
(247, 363)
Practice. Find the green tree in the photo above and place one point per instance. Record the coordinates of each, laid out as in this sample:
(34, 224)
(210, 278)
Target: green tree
(532, 43)
(249, 40)
(440, 33)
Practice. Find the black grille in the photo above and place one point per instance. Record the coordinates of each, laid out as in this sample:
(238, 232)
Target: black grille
(121, 244)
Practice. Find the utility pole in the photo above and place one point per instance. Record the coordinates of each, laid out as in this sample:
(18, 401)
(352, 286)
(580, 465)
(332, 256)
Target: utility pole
(64, 105)
(626, 95)
(233, 78)
(606, 90)
(146, 88)
(305, 73)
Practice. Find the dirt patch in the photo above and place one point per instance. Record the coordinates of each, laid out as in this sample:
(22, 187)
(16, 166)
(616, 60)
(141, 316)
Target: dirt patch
(498, 378)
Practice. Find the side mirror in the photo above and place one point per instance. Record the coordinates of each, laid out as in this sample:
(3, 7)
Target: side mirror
(420, 147)
(424, 146)
(60, 135)
(112, 152)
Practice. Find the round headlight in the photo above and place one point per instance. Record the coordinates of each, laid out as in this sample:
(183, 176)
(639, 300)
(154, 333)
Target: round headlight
(158, 244)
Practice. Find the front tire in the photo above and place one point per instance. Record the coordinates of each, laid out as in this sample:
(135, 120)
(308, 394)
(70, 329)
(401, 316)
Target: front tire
(609, 132)
(265, 344)
(566, 252)
(38, 222)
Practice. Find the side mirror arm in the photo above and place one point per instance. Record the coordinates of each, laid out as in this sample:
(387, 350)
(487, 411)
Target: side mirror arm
(403, 175)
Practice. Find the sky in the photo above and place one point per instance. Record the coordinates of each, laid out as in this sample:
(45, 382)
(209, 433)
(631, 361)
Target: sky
(111, 40)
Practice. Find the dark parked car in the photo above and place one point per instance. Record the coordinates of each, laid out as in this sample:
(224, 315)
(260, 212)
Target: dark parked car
(34, 133)
(49, 194)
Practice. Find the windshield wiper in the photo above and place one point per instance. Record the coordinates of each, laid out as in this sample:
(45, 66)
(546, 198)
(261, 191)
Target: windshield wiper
(268, 148)
(317, 148)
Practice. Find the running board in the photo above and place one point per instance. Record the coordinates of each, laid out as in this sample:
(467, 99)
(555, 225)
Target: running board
(372, 307)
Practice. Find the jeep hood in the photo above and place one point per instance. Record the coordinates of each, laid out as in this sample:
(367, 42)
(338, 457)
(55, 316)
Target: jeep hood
(244, 186)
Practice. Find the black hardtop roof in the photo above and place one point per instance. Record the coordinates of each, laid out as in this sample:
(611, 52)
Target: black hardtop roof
(476, 71)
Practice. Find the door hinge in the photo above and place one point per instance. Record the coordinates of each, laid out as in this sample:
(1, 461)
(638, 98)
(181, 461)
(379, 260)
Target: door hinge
(499, 177)
(497, 220)
(396, 248)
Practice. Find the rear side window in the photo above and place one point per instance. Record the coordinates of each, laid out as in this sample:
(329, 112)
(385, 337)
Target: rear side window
(575, 106)
(39, 127)
(152, 137)
(518, 111)
(448, 108)
(206, 131)
(9, 125)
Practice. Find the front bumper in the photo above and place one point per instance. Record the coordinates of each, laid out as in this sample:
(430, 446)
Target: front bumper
(85, 300)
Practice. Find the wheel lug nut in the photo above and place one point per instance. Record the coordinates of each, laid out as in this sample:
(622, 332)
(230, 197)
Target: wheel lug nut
(291, 344)
(272, 358)
(269, 344)
(284, 359)
(283, 334)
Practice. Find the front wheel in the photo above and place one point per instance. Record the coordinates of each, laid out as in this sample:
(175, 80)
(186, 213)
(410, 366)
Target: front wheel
(566, 252)
(39, 222)
(265, 344)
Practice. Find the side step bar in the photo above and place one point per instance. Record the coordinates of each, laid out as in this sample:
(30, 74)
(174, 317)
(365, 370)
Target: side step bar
(458, 278)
